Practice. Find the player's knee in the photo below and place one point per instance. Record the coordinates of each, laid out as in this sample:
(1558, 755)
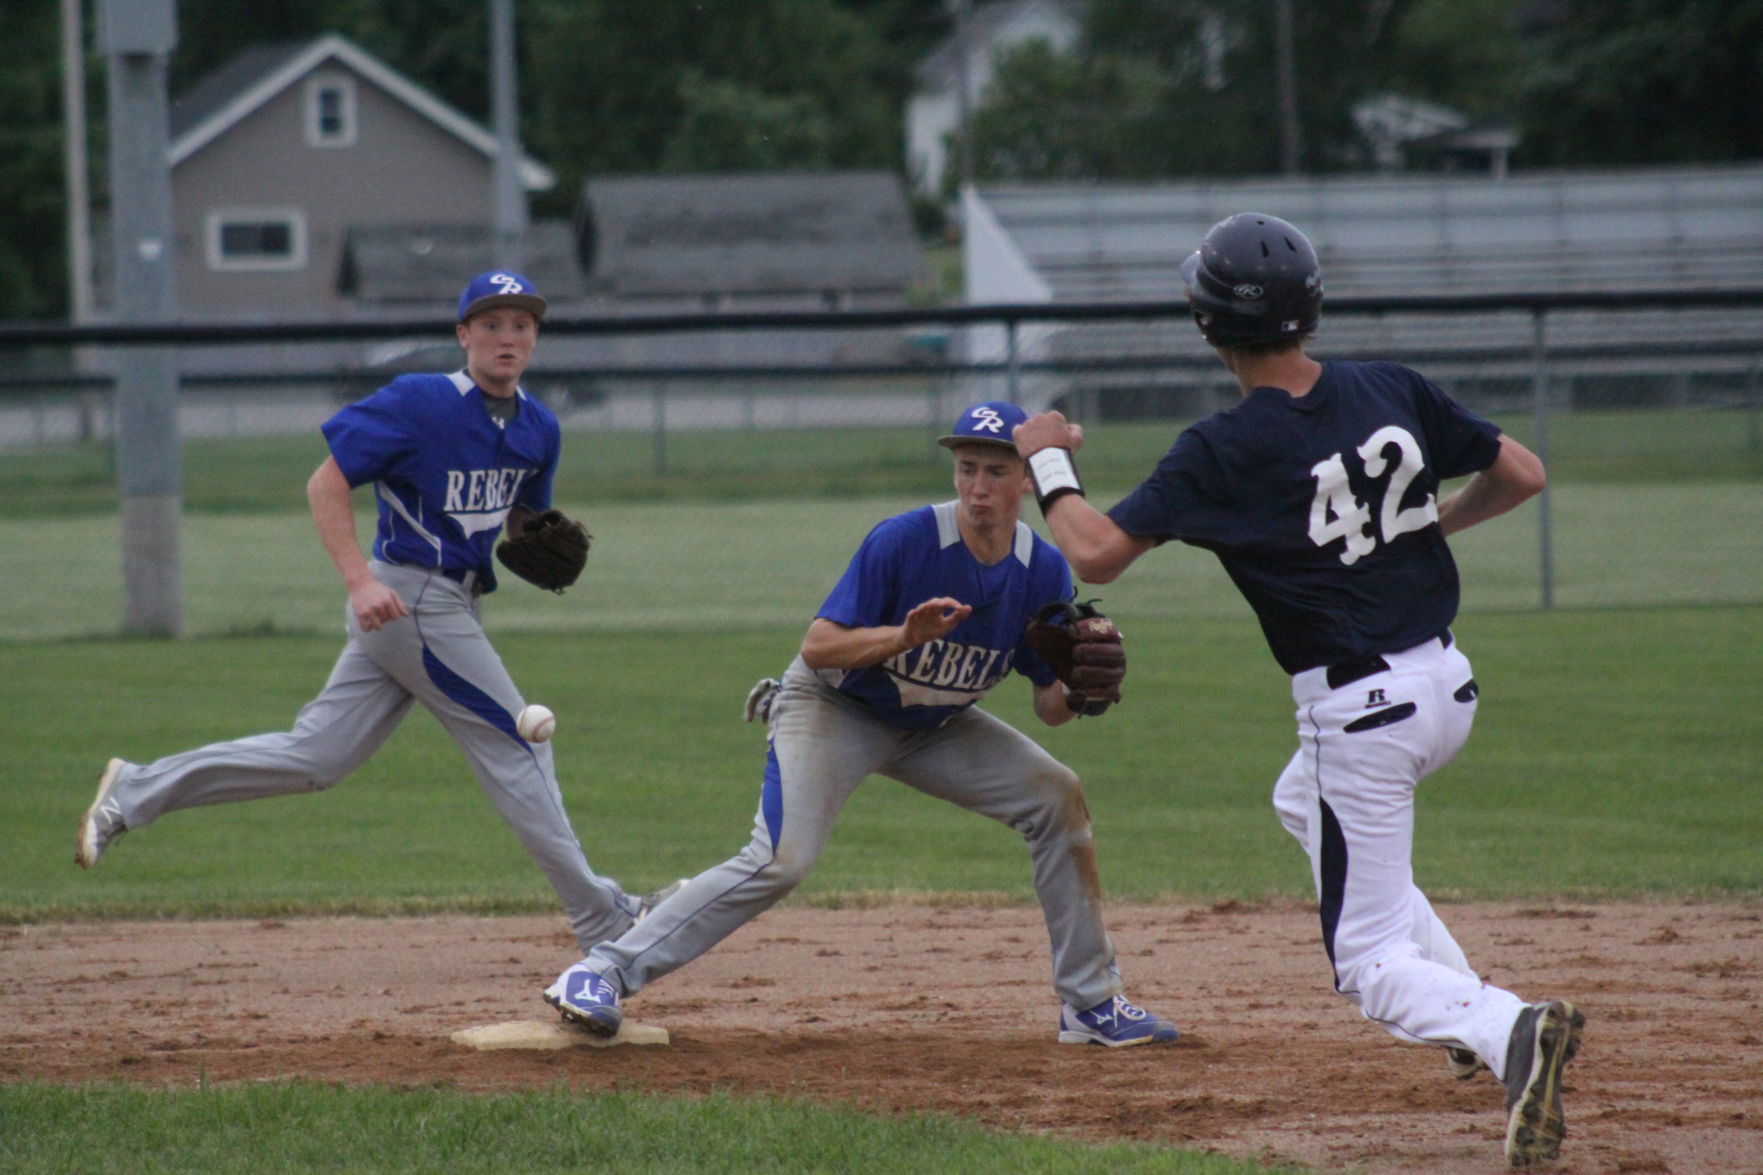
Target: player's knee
(324, 772)
(1060, 806)
(788, 868)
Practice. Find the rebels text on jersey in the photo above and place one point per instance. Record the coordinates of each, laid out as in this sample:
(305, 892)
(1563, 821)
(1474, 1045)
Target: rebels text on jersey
(445, 470)
(919, 556)
(1323, 508)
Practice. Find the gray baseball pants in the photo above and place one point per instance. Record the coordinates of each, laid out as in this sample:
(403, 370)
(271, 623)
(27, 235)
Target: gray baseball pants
(440, 656)
(823, 744)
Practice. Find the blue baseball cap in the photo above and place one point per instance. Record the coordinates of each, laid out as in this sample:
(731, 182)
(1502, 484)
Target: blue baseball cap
(500, 287)
(990, 423)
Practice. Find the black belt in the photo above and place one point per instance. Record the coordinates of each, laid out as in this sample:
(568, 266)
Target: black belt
(1351, 671)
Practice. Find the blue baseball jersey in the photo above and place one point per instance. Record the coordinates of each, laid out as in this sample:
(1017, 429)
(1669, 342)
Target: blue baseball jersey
(919, 556)
(1323, 508)
(445, 471)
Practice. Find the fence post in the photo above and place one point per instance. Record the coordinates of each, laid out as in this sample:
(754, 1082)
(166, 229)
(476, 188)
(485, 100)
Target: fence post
(1011, 360)
(1539, 386)
(660, 402)
(1752, 402)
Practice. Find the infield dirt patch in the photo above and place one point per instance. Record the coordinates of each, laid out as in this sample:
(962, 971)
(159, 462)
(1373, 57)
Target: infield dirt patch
(948, 1009)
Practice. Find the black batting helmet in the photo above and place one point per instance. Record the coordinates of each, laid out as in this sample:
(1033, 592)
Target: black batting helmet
(1254, 279)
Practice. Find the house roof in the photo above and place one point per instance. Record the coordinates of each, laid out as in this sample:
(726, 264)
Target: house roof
(750, 233)
(427, 264)
(231, 93)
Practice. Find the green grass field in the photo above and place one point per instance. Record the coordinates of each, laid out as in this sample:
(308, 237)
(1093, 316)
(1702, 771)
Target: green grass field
(1626, 716)
(1637, 727)
(300, 1127)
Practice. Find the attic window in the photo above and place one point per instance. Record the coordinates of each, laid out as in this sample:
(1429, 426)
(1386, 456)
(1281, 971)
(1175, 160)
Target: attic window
(330, 112)
(256, 239)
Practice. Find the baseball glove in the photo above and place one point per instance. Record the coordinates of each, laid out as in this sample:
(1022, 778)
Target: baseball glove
(1084, 649)
(549, 550)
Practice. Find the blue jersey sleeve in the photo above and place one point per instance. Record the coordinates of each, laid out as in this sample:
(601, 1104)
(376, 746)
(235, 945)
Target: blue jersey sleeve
(867, 595)
(1051, 578)
(535, 492)
(372, 438)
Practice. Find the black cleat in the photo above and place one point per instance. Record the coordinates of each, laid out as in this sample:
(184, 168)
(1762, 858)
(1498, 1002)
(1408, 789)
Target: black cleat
(1544, 1038)
(1463, 1063)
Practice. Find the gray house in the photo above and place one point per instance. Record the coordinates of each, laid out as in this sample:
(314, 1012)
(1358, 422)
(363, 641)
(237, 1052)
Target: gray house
(279, 155)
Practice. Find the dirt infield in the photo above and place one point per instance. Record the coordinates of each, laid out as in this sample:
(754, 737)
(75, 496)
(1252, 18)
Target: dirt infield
(948, 1009)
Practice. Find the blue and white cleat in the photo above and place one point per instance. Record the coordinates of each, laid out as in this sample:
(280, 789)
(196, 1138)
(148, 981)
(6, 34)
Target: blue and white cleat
(102, 822)
(1116, 1023)
(586, 998)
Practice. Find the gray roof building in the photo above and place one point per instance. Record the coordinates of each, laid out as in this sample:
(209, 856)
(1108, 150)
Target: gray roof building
(838, 238)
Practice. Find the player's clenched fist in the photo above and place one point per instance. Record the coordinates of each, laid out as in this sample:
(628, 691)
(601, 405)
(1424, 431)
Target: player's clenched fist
(1047, 430)
(375, 605)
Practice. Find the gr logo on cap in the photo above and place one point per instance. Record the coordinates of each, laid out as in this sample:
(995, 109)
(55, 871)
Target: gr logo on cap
(990, 423)
(500, 287)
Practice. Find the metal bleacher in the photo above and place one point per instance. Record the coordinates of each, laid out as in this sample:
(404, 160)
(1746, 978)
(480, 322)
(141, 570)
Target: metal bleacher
(1525, 237)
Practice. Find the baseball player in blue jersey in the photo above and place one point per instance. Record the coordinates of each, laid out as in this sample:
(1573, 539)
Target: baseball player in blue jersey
(1319, 494)
(450, 459)
(928, 617)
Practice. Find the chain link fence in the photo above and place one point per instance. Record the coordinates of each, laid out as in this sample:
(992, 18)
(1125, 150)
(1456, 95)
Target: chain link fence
(734, 462)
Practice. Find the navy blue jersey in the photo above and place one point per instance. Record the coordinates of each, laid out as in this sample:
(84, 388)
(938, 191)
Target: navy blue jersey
(1323, 508)
(919, 556)
(445, 471)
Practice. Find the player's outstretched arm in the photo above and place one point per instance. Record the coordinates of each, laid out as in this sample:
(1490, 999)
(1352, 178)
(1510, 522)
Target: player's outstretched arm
(827, 645)
(1097, 549)
(1515, 476)
(327, 492)
(1095, 546)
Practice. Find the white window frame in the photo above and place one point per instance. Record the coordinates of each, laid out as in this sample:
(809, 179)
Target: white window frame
(219, 218)
(343, 84)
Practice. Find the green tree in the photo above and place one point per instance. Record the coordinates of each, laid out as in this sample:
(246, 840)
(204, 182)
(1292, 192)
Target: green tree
(1647, 81)
(1061, 116)
(33, 265)
(1461, 53)
(725, 126)
(628, 88)
(1211, 66)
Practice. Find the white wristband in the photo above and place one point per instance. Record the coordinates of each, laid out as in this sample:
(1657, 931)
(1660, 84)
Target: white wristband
(1054, 475)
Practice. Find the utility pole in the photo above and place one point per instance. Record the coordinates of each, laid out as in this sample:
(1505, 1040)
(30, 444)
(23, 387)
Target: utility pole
(509, 218)
(78, 189)
(1291, 143)
(137, 37)
(963, 94)
(73, 151)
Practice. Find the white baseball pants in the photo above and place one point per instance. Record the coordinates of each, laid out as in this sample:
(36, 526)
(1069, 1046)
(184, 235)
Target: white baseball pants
(1348, 797)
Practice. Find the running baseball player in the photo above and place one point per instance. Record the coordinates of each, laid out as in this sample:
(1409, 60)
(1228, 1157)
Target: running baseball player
(1319, 494)
(929, 616)
(450, 459)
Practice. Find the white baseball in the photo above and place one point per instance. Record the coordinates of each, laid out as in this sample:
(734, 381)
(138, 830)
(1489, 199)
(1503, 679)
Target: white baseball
(536, 723)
